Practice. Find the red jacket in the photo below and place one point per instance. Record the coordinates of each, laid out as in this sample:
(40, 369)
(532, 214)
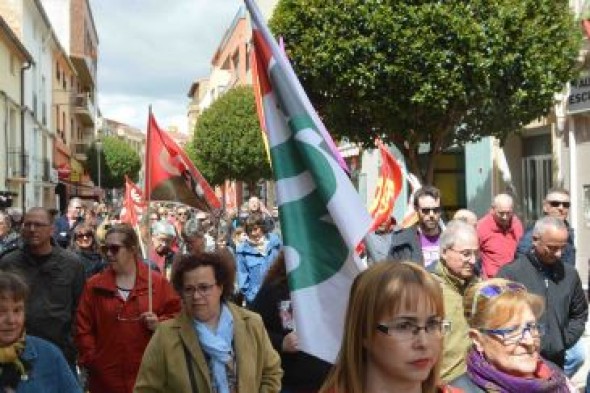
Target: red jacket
(109, 334)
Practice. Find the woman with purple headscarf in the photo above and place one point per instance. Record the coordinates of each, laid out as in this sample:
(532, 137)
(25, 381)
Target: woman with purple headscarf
(506, 336)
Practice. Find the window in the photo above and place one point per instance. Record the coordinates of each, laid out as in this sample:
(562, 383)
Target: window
(57, 71)
(13, 62)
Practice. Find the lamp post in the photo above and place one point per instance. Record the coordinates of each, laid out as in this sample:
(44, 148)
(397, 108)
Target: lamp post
(98, 154)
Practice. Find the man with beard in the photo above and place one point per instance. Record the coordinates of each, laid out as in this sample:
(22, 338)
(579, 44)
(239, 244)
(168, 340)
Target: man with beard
(456, 271)
(420, 243)
(544, 272)
(55, 277)
(499, 232)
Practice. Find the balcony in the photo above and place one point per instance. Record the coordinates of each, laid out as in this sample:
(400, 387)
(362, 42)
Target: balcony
(86, 68)
(42, 169)
(84, 108)
(79, 149)
(18, 166)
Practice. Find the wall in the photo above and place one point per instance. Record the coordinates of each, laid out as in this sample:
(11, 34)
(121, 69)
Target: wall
(479, 173)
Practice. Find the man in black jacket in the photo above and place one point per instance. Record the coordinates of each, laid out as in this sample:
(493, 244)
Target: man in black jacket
(55, 277)
(544, 273)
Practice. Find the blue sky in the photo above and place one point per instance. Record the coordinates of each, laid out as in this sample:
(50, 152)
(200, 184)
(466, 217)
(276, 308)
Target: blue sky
(150, 51)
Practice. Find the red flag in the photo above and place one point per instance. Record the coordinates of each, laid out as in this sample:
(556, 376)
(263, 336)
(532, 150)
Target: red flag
(134, 203)
(171, 175)
(389, 186)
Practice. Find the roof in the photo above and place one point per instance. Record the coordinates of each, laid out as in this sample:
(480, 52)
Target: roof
(13, 39)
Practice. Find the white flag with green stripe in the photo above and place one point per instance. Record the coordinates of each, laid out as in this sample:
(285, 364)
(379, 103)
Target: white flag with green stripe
(322, 216)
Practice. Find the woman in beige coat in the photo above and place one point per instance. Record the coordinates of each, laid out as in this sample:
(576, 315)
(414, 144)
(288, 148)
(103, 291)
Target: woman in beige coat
(214, 345)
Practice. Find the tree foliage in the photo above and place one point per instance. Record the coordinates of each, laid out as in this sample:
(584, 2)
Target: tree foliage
(117, 159)
(429, 71)
(227, 143)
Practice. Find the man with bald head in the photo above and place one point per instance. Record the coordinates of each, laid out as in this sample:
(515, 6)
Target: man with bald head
(55, 277)
(498, 232)
(544, 273)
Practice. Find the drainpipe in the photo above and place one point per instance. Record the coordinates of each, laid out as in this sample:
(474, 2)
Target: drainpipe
(23, 157)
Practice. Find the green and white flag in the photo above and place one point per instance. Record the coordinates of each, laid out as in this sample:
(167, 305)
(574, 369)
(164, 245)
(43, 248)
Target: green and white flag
(322, 216)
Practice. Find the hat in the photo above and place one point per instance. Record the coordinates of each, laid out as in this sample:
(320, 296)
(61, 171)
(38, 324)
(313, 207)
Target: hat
(163, 228)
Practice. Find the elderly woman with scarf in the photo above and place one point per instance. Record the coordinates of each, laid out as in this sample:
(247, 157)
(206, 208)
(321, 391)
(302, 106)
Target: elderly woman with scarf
(213, 345)
(506, 338)
(28, 364)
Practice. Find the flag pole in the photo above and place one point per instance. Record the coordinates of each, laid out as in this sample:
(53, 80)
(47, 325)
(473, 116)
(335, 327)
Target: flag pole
(147, 182)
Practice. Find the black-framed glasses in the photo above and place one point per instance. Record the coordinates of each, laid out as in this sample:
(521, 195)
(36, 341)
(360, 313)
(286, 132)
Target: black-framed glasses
(112, 248)
(201, 289)
(491, 291)
(514, 335)
(405, 329)
(427, 210)
(559, 203)
(35, 225)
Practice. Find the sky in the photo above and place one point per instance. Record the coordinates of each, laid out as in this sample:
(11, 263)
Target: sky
(151, 51)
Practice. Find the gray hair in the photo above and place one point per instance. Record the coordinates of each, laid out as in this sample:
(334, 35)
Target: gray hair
(75, 201)
(192, 228)
(498, 199)
(455, 229)
(546, 222)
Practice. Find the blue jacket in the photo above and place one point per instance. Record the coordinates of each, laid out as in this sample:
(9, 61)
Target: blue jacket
(62, 232)
(526, 244)
(49, 373)
(253, 264)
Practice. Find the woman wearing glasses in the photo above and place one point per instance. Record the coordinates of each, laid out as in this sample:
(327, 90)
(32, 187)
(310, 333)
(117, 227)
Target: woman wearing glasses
(393, 333)
(84, 244)
(506, 337)
(115, 321)
(213, 345)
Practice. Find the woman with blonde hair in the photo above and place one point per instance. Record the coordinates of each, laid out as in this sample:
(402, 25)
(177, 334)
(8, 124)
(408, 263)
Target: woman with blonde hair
(393, 333)
(506, 337)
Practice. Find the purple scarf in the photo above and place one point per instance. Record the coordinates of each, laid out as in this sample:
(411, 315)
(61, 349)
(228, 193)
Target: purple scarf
(490, 379)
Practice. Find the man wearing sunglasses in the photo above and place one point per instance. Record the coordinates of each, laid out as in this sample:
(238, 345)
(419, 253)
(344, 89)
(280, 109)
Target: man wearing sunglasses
(543, 272)
(420, 243)
(556, 204)
(56, 278)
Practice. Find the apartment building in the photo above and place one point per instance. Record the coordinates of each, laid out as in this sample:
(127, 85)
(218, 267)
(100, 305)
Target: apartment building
(132, 136)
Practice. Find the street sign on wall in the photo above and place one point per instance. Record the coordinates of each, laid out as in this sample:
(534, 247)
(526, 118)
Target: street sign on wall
(579, 97)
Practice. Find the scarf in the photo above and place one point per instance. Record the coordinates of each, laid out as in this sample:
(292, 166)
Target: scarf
(12, 368)
(490, 379)
(218, 345)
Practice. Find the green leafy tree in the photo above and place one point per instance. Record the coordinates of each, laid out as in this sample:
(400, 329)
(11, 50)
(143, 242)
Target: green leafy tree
(429, 71)
(228, 142)
(117, 159)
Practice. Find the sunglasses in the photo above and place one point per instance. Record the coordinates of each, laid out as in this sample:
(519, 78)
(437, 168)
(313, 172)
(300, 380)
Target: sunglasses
(112, 248)
(494, 290)
(559, 203)
(428, 210)
(84, 235)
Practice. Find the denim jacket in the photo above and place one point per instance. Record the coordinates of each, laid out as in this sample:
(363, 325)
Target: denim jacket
(49, 373)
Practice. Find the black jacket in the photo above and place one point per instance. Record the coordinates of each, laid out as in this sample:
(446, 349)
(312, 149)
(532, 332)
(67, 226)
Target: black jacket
(566, 309)
(55, 283)
(302, 371)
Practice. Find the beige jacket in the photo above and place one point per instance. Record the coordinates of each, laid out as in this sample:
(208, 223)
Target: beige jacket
(163, 368)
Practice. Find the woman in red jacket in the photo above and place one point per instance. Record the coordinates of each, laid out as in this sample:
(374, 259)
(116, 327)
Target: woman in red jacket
(115, 321)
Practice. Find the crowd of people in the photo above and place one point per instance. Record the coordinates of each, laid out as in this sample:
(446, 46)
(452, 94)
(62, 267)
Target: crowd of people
(189, 301)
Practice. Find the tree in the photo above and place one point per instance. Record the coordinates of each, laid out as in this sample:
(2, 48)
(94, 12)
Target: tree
(228, 142)
(117, 160)
(429, 71)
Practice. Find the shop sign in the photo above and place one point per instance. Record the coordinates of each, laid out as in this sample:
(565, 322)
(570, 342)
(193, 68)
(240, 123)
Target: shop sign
(579, 97)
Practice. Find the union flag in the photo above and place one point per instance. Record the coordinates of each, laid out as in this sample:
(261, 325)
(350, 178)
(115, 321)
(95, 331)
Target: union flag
(389, 186)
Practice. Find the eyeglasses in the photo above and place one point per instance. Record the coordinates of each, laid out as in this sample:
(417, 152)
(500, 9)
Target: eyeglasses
(112, 248)
(125, 318)
(33, 225)
(87, 235)
(427, 210)
(404, 329)
(559, 203)
(154, 218)
(182, 214)
(201, 289)
(491, 291)
(467, 254)
(514, 335)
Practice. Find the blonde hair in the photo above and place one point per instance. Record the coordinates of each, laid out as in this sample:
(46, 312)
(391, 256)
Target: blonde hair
(380, 291)
(494, 312)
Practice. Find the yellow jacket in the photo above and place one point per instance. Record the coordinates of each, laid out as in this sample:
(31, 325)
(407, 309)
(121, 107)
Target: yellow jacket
(163, 367)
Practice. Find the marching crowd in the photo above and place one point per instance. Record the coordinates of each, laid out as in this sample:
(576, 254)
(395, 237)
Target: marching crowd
(193, 302)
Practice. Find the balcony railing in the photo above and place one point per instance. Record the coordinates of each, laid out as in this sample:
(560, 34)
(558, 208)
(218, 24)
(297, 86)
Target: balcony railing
(18, 164)
(79, 149)
(84, 108)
